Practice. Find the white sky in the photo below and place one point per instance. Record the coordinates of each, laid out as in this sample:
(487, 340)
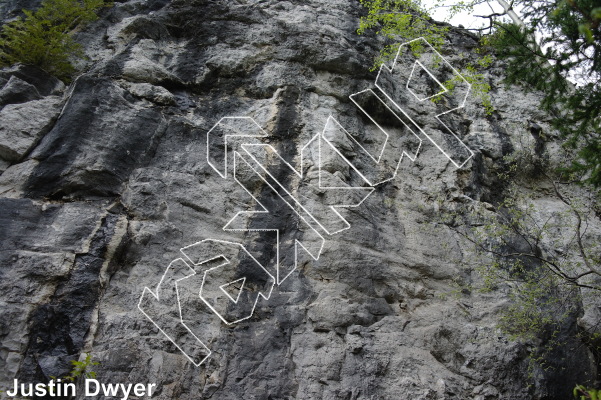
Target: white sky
(468, 20)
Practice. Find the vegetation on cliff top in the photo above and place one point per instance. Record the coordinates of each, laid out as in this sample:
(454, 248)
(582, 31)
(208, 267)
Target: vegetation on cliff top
(569, 49)
(44, 37)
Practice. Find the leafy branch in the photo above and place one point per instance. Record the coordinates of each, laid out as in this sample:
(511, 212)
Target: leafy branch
(404, 20)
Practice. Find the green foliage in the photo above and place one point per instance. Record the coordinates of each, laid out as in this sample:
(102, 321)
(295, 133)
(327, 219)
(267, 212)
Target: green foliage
(472, 73)
(545, 260)
(542, 292)
(404, 20)
(82, 368)
(576, 109)
(569, 48)
(399, 18)
(44, 37)
(583, 393)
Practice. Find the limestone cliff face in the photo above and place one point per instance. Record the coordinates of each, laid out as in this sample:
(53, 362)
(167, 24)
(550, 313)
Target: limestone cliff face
(104, 180)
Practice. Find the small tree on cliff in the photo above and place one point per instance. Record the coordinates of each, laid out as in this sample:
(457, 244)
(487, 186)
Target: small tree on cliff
(44, 37)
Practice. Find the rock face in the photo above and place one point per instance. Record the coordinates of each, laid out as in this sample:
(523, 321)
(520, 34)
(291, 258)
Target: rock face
(104, 181)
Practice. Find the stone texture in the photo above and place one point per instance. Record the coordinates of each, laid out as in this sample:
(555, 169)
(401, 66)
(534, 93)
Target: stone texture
(101, 205)
(156, 94)
(12, 8)
(44, 84)
(17, 91)
(23, 125)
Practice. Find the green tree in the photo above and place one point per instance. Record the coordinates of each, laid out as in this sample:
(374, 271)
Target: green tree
(548, 265)
(554, 47)
(82, 369)
(45, 37)
(569, 49)
(399, 19)
(583, 393)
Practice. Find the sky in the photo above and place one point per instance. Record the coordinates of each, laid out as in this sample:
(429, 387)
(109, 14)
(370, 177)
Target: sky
(468, 20)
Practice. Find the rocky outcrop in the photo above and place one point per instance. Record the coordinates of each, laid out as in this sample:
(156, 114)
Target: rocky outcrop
(105, 180)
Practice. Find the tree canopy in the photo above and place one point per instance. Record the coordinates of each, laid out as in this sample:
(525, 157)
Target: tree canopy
(565, 66)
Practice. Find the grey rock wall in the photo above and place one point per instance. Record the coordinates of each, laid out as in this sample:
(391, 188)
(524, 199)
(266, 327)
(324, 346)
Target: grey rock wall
(105, 180)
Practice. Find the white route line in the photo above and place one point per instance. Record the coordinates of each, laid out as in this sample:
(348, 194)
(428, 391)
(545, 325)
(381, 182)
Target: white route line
(461, 105)
(156, 296)
(226, 141)
(227, 262)
(222, 287)
(297, 243)
(255, 142)
(382, 129)
(444, 89)
(300, 175)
